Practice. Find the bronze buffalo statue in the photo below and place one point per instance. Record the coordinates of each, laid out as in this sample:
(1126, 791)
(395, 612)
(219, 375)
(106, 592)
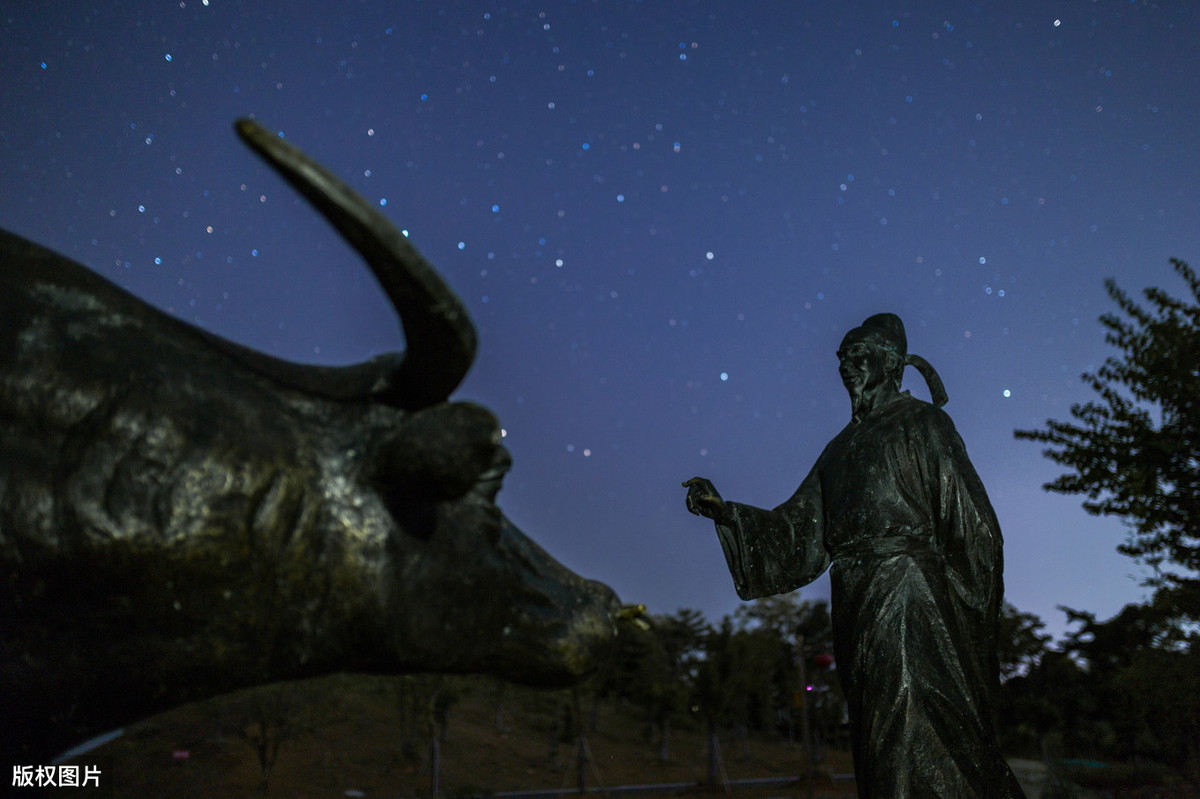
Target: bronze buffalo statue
(181, 516)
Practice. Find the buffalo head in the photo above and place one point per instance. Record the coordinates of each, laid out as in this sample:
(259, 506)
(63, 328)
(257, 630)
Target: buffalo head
(182, 516)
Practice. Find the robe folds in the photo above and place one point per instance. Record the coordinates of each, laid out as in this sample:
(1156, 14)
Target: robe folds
(894, 508)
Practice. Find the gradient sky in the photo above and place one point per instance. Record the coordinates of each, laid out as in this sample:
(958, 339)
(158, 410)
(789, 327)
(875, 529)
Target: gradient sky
(662, 217)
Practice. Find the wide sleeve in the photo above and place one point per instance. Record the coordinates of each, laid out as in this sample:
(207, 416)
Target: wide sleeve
(967, 531)
(779, 550)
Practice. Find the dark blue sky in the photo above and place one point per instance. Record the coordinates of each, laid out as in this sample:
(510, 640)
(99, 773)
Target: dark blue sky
(662, 217)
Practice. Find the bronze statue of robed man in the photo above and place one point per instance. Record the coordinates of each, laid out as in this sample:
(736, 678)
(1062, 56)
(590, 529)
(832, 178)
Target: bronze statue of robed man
(897, 513)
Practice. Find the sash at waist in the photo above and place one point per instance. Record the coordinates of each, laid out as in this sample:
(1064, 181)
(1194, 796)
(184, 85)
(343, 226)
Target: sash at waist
(909, 542)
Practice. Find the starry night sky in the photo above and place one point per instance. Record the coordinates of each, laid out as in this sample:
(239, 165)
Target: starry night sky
(662, 217)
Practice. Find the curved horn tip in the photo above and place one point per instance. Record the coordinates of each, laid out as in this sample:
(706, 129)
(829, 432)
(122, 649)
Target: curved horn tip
(245, 126)
(253, 132)
(441, 339)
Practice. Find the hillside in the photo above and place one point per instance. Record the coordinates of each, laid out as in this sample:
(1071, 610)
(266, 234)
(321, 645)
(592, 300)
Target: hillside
(369, 737)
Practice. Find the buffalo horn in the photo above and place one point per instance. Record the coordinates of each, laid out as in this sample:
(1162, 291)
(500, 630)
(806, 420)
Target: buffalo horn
(438, 333)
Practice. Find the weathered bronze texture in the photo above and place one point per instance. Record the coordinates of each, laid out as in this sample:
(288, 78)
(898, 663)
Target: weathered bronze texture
(181, 516)
(894, 508)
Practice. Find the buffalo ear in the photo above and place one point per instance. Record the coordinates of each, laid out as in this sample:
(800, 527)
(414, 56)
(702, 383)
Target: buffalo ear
(437, 454)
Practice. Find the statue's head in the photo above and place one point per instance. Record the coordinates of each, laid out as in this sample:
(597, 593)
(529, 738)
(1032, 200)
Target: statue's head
(871, 356)
(871, 361)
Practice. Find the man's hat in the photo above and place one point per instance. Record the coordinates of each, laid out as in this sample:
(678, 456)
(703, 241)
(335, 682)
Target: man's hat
(889, 328)
(886, 330)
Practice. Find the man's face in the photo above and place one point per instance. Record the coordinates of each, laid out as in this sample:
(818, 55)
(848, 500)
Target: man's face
(862, 364)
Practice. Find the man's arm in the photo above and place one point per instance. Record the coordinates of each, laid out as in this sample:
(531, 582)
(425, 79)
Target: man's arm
(767, 551)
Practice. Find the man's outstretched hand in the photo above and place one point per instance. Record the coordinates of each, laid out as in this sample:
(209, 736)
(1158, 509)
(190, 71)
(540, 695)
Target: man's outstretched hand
(703, 500)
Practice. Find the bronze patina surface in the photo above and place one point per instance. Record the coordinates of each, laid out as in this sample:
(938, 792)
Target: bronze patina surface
(894, 508)
(181, 516)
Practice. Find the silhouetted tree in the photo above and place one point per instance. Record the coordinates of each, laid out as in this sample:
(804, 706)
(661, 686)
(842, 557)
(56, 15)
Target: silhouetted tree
(655, 668)
(682, 636)
(1020, 642)
(1127, 688)
(1135, 453)
(424, 702)
(1161, 692)
(789, 619)
(787, 615)
(713, 691)
(679, 641)
(1144, 667)
(267, 716)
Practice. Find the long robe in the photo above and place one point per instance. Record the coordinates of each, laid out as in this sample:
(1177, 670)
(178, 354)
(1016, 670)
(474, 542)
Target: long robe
(895, 506)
